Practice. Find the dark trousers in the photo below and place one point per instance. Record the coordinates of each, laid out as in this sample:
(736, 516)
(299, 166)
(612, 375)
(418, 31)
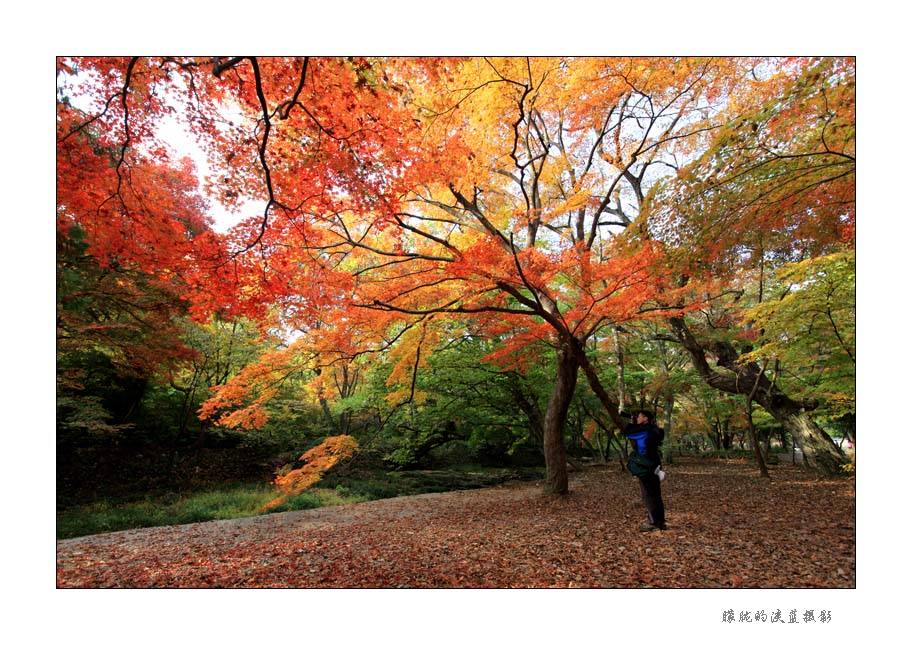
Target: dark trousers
(653, 499)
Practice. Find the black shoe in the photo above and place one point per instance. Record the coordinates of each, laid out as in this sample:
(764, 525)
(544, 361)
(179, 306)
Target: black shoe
(647, 527)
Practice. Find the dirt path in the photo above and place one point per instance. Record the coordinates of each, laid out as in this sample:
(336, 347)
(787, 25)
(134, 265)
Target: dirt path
(727, 528)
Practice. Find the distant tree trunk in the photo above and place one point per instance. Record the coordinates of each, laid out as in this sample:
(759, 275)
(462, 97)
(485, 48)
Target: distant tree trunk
(555, 419)
(610, 436)
(577, 431)
(201, 435)
(184, 415)
(784, 444)
(848, 422)
(620, 376)
(727, 436)
(716, 435)
(670, 402)
(756, 445)
(438, 437)
(530, 407)
(345, 422)
(610, 405)
(603, 450)
(325, 407)
(619, 368)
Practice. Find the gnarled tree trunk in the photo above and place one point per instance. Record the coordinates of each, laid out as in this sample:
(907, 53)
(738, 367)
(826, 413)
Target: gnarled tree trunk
(821, 454)
(817, 447)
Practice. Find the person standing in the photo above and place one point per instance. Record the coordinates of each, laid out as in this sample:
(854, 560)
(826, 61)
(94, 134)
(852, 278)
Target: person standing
(647, 438)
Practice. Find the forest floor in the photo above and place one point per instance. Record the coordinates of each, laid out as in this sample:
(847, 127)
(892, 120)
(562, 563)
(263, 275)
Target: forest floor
(727, 528)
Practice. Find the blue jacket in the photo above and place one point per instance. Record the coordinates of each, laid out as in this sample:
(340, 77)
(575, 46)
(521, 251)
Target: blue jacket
(647, 438)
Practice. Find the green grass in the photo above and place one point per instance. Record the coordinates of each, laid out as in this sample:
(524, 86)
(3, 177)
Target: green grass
(171, 509)
(237, 501)
(380, 484)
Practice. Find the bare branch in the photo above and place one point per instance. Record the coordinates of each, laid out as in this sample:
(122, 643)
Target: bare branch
(294, 100)
(220, 64)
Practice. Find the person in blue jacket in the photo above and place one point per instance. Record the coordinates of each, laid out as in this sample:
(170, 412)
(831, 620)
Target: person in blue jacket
(647, 438)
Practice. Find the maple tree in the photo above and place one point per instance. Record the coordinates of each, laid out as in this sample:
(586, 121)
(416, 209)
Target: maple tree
(401, 193)
(811, 328)
(775, 185)
(505, 211)
(317, 461)
(219, 350)
(116, 329)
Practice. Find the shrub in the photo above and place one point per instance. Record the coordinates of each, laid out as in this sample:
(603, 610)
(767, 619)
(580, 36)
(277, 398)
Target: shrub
(307, 500)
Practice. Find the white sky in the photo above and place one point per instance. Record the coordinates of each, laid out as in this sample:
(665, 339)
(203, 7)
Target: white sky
(175, 134)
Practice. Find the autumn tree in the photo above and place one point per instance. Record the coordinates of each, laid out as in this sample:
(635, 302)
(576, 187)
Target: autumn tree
(317, 461)
(776, 184)
(140, 208)
(528, 165)
(809, 330)
(116, 330)
(401, 193)
(220, 349)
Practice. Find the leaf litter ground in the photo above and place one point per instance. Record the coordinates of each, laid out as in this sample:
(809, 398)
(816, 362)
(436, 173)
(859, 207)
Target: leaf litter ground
(727, 528)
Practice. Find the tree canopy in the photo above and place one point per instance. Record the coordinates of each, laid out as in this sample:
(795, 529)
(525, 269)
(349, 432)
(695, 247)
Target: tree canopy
(545, 209)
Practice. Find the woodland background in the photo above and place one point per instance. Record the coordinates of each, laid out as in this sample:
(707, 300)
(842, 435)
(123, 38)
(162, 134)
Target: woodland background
(447, 273)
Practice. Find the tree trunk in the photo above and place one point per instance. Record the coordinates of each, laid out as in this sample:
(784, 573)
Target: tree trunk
(610, 436)
(555, 418)
(333, 428)
(822, 455)
(620, 368)
(755, 443)
(531, 409)
(784, 444)
(622, 453)
(201, 436)
(817, 447)
(716, 435)
(603, 451)
(448, 433)
(610, 405)
(670, 402)
(185, 413)
(848, 422)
